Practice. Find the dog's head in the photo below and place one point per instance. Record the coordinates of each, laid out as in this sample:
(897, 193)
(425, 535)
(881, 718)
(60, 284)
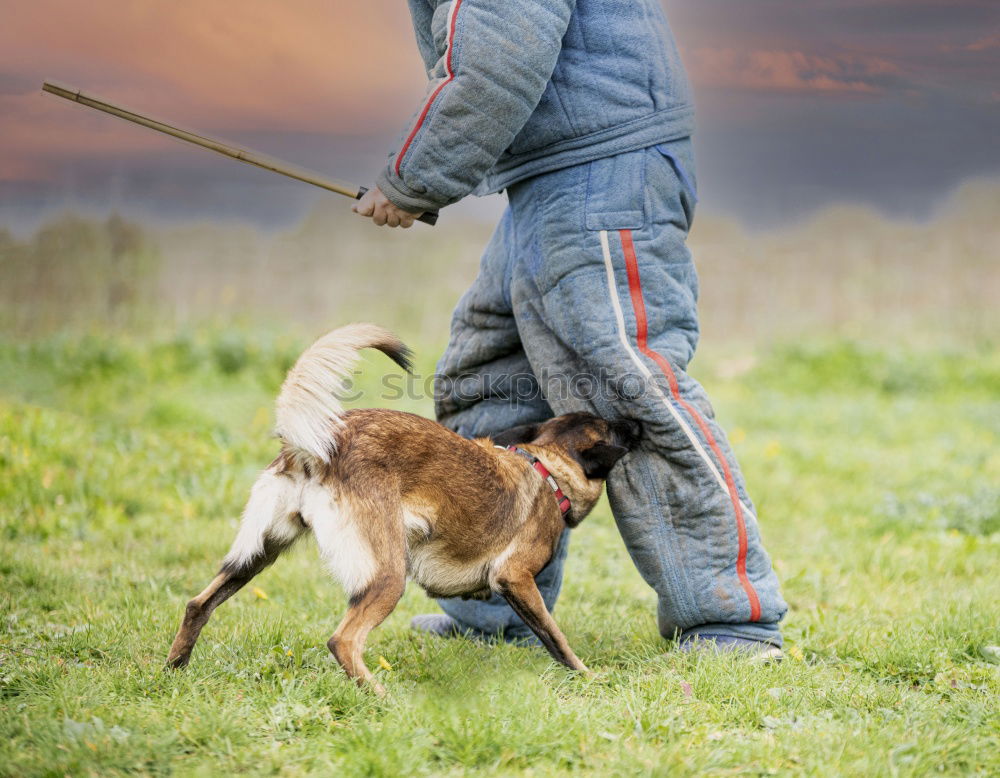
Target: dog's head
(581, 450)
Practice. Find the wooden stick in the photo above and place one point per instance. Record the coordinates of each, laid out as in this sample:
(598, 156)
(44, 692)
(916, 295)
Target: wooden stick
(235, 152)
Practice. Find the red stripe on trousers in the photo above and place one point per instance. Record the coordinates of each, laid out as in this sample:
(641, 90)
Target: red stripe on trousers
(450, 76)
(641, 336)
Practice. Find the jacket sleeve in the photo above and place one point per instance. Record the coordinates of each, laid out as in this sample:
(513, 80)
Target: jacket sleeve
(422, 13)
(499, 58)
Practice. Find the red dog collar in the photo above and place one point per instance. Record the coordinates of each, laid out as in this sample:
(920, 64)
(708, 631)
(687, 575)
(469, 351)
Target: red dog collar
(543, 471)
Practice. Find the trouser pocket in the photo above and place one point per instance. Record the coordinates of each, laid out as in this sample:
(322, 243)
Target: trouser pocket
(678, 171)
(681, 158)
(616, 189)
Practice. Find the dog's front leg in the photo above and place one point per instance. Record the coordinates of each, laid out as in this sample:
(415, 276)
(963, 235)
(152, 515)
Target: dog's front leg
(519, 589)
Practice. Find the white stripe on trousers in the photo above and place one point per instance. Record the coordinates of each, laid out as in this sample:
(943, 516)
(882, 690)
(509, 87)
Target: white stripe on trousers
(623, 337)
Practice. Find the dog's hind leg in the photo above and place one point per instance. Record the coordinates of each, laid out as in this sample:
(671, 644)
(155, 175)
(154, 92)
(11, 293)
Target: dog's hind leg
(271, 524)
(229, 581)
(362, 542)
(518, 587)
(366, 611)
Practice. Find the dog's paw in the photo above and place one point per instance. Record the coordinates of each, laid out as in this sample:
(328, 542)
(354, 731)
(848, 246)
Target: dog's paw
(177, 662)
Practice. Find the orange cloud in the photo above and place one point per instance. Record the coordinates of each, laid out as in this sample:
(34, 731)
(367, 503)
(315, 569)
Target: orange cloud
(983, 44)
(788, 71)
(978, 45)
(307, 67)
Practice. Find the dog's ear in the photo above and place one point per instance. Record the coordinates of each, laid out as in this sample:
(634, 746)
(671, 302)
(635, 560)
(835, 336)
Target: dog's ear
(627, 432)
(598, 460)
(523, 434)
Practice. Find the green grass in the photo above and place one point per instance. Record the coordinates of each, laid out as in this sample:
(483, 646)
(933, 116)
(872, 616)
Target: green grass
(124, 464)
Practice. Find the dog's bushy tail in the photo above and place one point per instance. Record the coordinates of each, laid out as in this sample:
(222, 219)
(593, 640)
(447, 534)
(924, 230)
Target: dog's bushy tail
(308, 409)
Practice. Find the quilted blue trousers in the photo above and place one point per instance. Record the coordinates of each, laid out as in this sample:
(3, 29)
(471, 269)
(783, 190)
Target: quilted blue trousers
(586, 300)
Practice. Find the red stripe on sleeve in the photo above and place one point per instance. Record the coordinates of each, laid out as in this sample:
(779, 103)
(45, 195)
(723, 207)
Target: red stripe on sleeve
(449, 77)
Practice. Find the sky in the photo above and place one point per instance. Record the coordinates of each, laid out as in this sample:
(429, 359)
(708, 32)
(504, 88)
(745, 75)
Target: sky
(800, 103)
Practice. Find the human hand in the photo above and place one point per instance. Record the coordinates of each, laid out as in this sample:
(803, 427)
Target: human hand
(376, 205)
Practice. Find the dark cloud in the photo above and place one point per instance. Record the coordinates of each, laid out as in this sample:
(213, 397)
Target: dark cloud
(890, 103)
(941, 17)
(891, 154)
(800, 103)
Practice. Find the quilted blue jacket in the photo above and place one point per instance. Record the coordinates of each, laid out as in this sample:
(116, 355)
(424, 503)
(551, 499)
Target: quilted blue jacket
(522, 87)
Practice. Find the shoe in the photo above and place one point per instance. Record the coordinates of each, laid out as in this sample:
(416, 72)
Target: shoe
(438, 624)
(756, 650)
(446, 627)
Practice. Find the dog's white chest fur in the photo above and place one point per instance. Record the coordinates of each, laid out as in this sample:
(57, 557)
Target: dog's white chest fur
(430, 565)
(432, 569)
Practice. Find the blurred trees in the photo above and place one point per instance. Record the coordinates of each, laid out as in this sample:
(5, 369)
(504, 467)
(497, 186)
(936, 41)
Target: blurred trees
(75, 270)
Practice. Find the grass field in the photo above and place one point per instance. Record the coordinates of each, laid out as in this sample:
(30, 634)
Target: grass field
(125, 461)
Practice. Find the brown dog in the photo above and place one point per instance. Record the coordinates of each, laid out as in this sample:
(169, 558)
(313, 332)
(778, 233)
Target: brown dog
(390, 495)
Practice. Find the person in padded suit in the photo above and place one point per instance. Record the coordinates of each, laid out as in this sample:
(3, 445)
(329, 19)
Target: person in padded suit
(581, 111)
